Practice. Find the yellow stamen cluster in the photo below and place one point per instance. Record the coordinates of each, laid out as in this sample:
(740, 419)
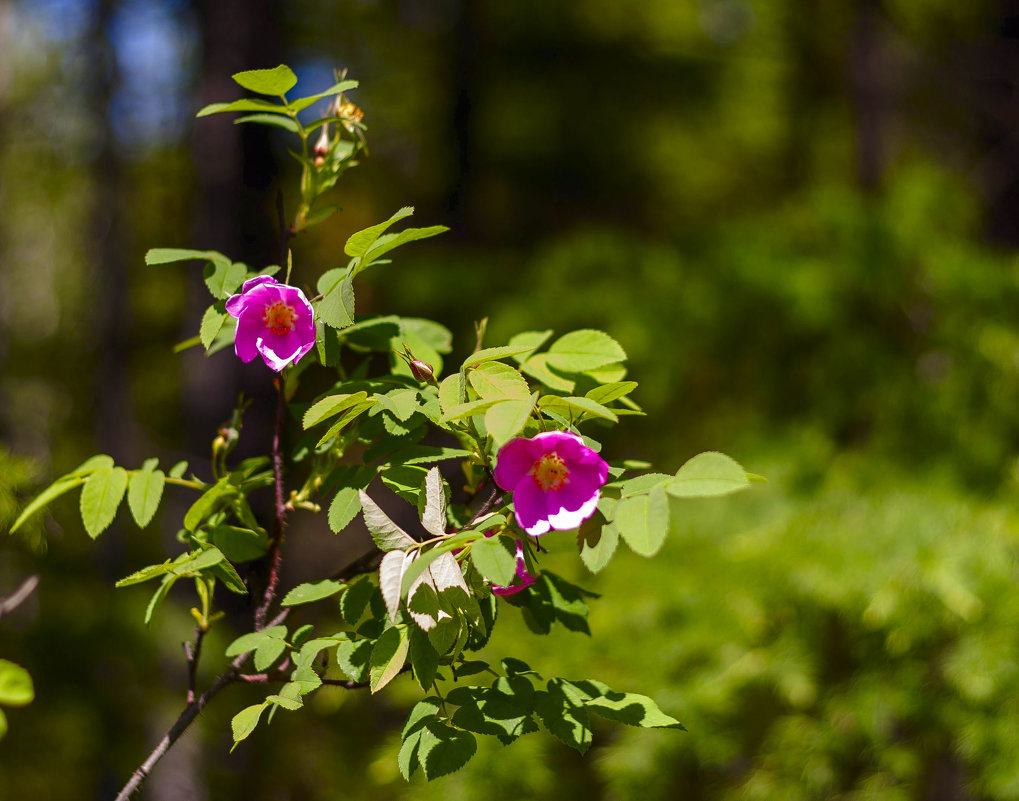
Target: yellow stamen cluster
(279, 318)
(550, 472)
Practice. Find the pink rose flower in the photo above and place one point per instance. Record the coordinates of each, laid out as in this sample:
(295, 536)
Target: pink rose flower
(274, 320)
(522, 580)
(555, 479)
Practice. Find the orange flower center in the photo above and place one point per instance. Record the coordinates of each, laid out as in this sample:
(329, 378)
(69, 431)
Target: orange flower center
(279, 318)
(550, 472)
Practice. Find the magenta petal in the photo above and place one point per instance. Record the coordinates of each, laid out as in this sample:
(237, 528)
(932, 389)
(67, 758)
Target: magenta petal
(258, 280)
(529, 507)
(523, 578)
(235, 305)
(513, 464)
(249, 329)
(569, 519)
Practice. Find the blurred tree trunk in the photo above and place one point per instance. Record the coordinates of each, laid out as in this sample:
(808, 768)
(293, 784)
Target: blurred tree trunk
(868, 78)
(1001, 178)
(465, 87)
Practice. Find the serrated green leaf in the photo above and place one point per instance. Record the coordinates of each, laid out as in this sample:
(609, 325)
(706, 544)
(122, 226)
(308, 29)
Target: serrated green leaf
(358, 244)
(597, 541)
(301, 103)
(607, 393)
(158, 596)
(356, 599)
(631, 709)
(353, 658)
(292, 704)
(390, 580)
(433, 518)
(239, 544)
(178, 469)
(389, 242)
(641, 485)
(244, 104)
(532, 340)
(47, 496)
(491, 354)
(16, 687)
(169, 255)
(346, 419)
(576, 408)
(255, 639)
(144, 494)
(469, 409)
(245, 722)
(566, 718)
(387, 535)
(310, 592)
(443, 749)
(388, 656)
(583, 350)
(223, 279)
(276, 81)
(643, 521)
(424, 659)
(344, 508)
(227, 574)
(207, 503)
(267, 653)
(424, 711)
(336, 309)
(495, 558)
(145, 574)
(331, 405)
(498, 380)
(212, 323)
(537, 367)
(100, 498)
(706, 475)
(507, 419)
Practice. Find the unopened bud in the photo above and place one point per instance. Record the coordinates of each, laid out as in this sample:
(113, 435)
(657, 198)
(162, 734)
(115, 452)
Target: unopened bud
(422, 371)
(323, 145)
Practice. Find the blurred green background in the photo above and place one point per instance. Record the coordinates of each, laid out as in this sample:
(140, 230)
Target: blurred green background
(798, 217)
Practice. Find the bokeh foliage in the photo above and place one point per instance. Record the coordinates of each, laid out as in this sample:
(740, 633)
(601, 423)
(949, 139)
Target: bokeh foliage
(796, 217)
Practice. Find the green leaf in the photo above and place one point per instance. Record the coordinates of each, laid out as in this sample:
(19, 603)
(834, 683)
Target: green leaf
(492, 354)
(3, 724)
(158, 596)
(15, 685)
(331, 405)
(507, 419)
(575, 408)
(356, 599)
(424, 711)
(565, 717)
(390, 580)
(495, 558)
(47, 496)
(267, 653)
(346, 419)
(358, 244)
(223, 279)
(532, 340)
(354, 657)
(469, 409)
(336, 309)
(586, 349)
(607, 393)
(226, 573)
(301, 103)
(170, 255)
(275, 120)
(443, 749)
(212, 323)
(641, 485)
(245, 104)
(424, 659)
(287, 703)
(178, 469)
(433, 518)
(312, 591)
(277, 81)
(537, 367)
(643, 521)
(387, 535)
(100, 498)
(708, 475)
(389, 242)
(498, 380)
(632, 709)
(255, 639)
(245, 721)
(597, 541)
(239, 544)
(145, 574)
(205, 505)
(143, 495)
(344, 508)
(389, 656)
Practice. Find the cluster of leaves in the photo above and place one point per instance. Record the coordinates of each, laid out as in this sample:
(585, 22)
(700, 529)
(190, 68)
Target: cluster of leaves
(390, 413)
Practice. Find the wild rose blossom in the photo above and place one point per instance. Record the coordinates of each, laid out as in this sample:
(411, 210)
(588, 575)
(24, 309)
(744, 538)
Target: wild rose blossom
(522, 580)
(555, 479)
(274, 320)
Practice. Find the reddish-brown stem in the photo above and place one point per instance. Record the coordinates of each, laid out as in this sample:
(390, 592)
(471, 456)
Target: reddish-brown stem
(275, 551)
(193, 652)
